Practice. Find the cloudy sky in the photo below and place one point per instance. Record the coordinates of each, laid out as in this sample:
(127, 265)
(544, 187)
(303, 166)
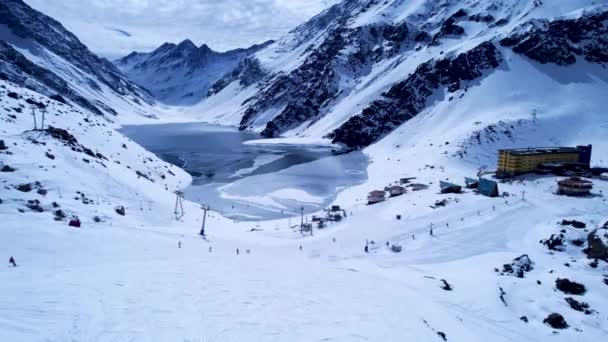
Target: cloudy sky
(114, 28)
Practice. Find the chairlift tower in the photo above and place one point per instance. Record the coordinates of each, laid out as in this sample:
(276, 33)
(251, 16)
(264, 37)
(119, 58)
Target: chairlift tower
(179, 205)
(205, 208)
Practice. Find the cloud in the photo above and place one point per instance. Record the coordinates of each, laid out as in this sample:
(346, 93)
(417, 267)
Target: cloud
(221, 24)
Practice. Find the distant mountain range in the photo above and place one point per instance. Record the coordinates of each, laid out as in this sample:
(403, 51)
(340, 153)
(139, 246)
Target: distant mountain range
(362, 68)
(182, 74)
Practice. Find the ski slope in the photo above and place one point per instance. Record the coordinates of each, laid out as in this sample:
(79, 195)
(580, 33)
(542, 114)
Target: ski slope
(125, 279)
(133, 283)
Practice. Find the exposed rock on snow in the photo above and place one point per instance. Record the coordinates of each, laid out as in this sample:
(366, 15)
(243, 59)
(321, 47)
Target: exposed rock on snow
(578, 306)
(519, 267)
(407, 98)
(574, 223)
(597, 244)
(556, 242)
(346, 52)
(570, 287)
(561, 41)
(556, 321)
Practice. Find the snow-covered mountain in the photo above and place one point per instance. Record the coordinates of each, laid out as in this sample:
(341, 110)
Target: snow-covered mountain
(184, 73)
(431, 88)
(362, 68)
(37, 52)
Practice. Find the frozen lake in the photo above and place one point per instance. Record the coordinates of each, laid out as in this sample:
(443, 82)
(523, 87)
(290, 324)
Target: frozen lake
(251, 181)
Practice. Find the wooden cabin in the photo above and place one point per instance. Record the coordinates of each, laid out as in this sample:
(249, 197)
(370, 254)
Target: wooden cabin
(376, 196)
(418, 186)
(471, 183)
(574, 186)
(396, 190)
(449, 188)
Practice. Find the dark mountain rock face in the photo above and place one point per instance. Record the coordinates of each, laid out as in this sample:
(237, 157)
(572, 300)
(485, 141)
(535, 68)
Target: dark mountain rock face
(406, 99)
(562, 41)
(28, 23)
(558, 42)
(16, 68)
(304, 92)
(247, 73)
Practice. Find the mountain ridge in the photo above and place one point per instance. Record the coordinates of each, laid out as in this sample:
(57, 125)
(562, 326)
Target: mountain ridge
(182, 73)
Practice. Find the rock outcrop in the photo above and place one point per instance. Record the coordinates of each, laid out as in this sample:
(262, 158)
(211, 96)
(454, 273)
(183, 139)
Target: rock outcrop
(408, 98)
(597, 244)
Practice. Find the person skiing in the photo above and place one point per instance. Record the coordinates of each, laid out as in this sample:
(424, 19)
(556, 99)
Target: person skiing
(210, 249)
(179, 244)
(12, 261)
(300, 248)
(237, 251)
(366, 249)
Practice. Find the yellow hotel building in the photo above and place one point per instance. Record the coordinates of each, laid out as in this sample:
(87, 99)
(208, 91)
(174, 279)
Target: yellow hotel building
(513, 162)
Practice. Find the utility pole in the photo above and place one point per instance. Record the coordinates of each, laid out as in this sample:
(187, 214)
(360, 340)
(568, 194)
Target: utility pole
(34, 116)
(43, 115)
(205, 209)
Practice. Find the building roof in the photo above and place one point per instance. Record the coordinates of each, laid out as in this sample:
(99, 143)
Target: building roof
(540, 150)
(575, 182)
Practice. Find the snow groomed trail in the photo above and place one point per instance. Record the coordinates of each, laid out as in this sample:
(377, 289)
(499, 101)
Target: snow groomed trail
(135, 284)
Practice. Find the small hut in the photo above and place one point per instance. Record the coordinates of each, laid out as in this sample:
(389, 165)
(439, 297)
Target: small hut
(574, 186)
(406, 180)
(396, 190)
(419, 186)
(376, 196)
(488, 187)
(471, 183)
(449, 188)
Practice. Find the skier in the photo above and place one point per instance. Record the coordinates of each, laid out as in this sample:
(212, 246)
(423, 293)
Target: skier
(300, 248)
(387, 244)
(334, 240)
(12, 261)
(431, 231)
(366, 249)
(237, 251)
(413, 237)
(179, 244)
(210, 248)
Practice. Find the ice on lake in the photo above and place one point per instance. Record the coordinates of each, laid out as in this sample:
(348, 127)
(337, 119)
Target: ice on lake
(251, 181)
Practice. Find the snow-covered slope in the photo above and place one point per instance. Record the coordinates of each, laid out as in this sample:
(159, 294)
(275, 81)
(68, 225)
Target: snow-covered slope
(362, 68)
(493, 269)
(37, 52)
(184, 74)
(78, 165)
